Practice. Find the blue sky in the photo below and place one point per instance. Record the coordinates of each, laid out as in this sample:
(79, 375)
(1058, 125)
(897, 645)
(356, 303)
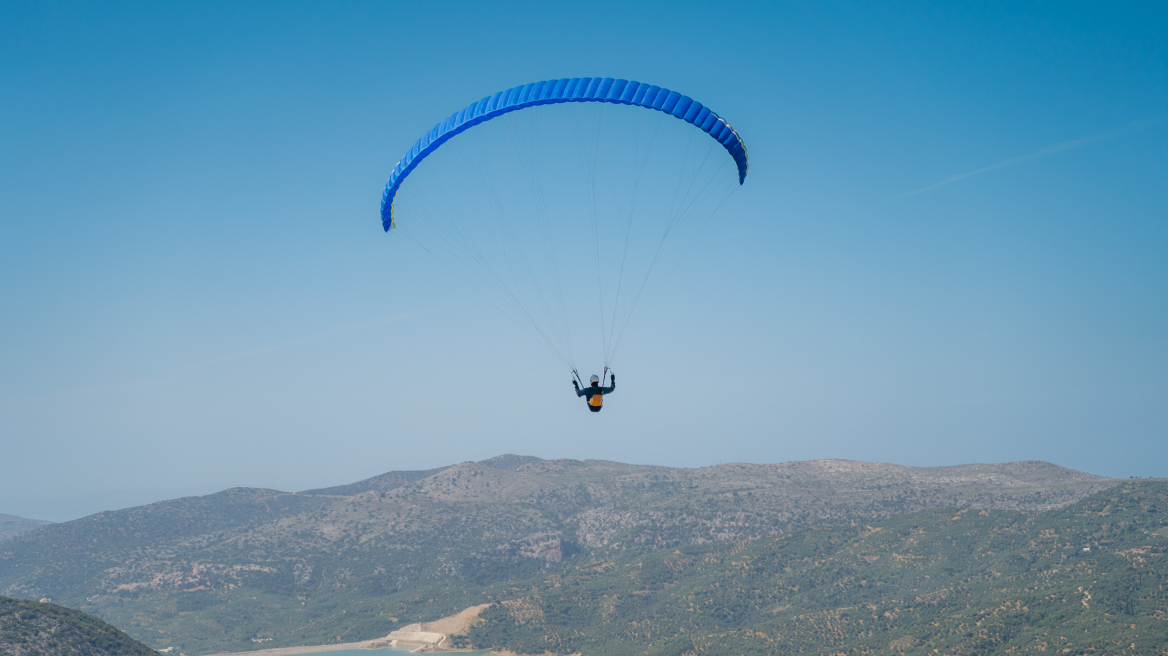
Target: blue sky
(950, 249)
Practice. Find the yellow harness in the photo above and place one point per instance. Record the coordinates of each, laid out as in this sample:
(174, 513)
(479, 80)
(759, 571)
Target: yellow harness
(596, 400)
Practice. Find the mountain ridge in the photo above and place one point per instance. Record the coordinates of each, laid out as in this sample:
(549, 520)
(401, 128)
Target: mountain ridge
(419, 544)
(11, 525)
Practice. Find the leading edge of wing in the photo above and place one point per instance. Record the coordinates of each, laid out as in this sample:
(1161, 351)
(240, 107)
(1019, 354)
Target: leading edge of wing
(577, 89)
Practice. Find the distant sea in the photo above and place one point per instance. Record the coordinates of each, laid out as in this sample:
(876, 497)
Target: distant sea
(384, 651)
(361, 652)
(358, 652)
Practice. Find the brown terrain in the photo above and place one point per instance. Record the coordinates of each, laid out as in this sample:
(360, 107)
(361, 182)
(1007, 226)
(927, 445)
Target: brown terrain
(185, 571)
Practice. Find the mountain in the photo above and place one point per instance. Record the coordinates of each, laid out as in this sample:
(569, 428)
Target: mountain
(353, 562)
(30, 628)
(1090, 578)
(11, 525)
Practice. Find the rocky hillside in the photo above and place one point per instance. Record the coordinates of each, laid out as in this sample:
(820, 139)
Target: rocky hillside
(1090, 578)
(11, 525)
(30, 628)
(356, 561)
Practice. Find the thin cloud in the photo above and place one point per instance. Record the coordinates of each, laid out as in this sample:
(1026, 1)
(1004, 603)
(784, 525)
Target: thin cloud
(1049, 150)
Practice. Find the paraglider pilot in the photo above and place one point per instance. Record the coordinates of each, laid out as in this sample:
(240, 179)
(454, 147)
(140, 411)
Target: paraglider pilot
(595, 392)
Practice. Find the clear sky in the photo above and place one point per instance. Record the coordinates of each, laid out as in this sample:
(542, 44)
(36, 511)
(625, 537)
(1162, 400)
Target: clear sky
(952, 246)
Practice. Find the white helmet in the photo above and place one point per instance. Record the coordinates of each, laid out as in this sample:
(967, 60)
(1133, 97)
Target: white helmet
(594, 379)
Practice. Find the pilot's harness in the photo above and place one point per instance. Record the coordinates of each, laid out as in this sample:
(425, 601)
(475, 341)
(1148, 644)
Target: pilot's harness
(597, 399)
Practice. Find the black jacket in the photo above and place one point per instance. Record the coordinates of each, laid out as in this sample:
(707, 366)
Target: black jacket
(595, 394)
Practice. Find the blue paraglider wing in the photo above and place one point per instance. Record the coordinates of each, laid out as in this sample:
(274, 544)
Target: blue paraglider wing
(577, 89)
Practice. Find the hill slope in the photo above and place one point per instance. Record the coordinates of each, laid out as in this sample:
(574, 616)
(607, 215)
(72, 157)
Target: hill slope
(353, 562)
(11, 525)
(30, 628)
(958, 582)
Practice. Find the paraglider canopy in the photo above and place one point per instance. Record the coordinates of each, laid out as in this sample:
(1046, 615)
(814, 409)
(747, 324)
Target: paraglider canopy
(577, 89)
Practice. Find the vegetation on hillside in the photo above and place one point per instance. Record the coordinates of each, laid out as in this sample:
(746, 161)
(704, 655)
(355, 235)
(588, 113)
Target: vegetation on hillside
(354, 562)
(31, 628)
(1089, 578)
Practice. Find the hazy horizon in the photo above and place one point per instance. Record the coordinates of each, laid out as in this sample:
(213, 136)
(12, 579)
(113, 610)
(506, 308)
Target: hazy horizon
(61, 509)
